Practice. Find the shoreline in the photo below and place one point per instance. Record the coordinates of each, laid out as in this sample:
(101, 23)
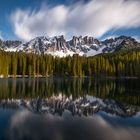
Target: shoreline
(53, 76)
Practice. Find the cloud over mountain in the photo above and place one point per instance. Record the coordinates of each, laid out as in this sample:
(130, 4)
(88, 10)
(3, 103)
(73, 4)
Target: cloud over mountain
(96, 17)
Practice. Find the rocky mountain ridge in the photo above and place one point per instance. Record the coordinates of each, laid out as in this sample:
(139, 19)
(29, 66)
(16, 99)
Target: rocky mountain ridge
(59, 46)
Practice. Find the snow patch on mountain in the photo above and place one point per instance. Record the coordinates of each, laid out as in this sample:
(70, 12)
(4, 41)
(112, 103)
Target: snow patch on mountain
(60, 47)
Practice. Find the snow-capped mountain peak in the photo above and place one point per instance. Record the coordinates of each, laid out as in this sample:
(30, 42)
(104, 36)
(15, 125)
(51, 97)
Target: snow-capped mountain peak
(59, 46)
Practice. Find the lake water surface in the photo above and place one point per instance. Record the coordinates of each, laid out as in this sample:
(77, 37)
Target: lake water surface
(69, 109)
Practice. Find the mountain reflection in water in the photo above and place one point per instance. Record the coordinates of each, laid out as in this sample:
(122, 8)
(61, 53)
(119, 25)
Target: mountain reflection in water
(69, 109)
(82, 106)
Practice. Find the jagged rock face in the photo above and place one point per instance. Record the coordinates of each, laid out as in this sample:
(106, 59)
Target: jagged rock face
(59, 46)
(128, 43)
(79, 41)
(120, 43)
(61, 43)
(9, 44)
(12, 43)
(45, 45)
(83, 44)
(76, 41)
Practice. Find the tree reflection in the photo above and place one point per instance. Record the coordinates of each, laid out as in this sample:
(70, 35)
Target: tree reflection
(124, 91)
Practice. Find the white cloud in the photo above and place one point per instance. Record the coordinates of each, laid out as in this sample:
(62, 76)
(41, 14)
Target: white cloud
(93, 18)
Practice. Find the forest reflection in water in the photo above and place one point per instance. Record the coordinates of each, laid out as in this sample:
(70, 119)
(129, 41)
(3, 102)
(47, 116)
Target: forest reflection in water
(26, 119)
(124, 91)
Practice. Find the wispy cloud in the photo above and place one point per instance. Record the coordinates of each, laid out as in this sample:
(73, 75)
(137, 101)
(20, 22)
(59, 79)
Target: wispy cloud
(95, 18)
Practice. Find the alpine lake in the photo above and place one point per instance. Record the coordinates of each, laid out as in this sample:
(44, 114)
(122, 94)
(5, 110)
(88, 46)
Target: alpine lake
(69, 109)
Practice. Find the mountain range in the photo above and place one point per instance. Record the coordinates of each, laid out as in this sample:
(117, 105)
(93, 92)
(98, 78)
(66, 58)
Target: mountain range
(59, 46)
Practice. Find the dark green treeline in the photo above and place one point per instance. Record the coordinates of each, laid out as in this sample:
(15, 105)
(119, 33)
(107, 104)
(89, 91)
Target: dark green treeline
(113, 64)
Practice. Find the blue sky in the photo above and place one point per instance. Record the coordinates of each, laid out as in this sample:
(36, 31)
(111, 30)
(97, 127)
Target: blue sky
(26, 19)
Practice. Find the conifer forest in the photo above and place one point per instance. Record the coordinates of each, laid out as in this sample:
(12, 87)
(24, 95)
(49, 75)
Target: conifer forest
(119, 64)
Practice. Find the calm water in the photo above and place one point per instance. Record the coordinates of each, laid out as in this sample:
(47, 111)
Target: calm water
(69, 109)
